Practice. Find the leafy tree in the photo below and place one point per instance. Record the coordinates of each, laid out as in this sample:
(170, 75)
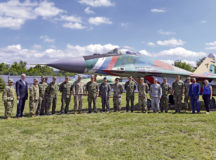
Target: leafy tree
(184, 66)
(39, 70)
(4, 68)
(2, 84)
(18, 68)
(63, 73)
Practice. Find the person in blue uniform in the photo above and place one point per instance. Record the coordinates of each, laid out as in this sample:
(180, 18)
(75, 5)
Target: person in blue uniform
(194, 93)
(207, 95)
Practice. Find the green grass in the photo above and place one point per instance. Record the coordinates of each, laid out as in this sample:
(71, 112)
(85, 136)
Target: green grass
(127, 136)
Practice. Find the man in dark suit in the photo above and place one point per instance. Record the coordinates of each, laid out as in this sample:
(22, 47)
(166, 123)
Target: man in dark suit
(22, 95)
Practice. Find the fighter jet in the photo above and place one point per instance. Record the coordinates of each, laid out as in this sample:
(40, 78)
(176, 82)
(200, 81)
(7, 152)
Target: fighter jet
(116, 63)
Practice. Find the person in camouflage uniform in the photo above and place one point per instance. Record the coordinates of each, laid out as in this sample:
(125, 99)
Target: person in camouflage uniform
(8, 98)
(104, 93)
(186, 97)
(42, 102)
(92, 90)
(130, 87)
(78, 89)
(34, 97)
(117, 92)
(178, 92)
(51, 96)
(164, 102)
(66, 89)
(143, 89)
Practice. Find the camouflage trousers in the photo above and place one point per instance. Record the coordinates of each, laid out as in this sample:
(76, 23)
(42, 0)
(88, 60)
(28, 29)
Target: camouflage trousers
(65, 103)
(117, 103)
(78, 103)
(187, 102)
(8, 108)
(128, 100)
(92, 99)
(164, 103)
(33, 104)
(178, 102)
(41, 106)
(51, 101)
(143, 103)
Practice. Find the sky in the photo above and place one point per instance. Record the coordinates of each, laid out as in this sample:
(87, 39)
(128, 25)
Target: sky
(42, 31)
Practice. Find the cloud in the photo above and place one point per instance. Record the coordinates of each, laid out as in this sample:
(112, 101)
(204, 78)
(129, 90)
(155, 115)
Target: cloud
(151, 44)
(14, 13)
(211, 45)
(155, 10)
(37, 46)
(71, 19)
(124, 25)
(16, 52)
(180, 52)
(99, 20)
(144, 52)
(45, 38)
(203, 21)
(171, 42)
(97, 3)
(72, 22)
(78, 26)
(47, 9)
(166, 33)
(87, 10)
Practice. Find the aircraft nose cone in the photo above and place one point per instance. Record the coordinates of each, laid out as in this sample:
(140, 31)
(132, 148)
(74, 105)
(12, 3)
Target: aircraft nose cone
(74, 64)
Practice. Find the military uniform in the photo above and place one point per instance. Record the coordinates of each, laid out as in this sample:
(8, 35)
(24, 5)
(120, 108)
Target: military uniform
(143, 90)
(130, 87)
(78, 95)
(178, 87)
(92, 89)
(117, 91)
(33, 99)
(8, 98)
(42, 101)
(104, 92)
(66, 89)
(164, 98)
(51, 95)
(186, 96)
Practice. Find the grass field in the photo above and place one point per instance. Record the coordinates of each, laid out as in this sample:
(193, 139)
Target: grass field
(128, 136)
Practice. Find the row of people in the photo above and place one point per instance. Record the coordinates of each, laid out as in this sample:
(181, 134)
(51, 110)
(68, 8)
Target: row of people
(43, 96)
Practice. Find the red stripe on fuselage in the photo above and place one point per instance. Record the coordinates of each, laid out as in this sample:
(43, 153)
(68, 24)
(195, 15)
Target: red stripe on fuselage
(111, 65)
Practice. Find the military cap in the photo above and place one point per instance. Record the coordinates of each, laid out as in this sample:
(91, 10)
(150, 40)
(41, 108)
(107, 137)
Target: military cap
(35, 79)
(130, 77)
(66, 76)
(10, 80)
(164, 78)
(117, 79)
(54, 77)
(141, 78)
(42, 77)
(105, 78)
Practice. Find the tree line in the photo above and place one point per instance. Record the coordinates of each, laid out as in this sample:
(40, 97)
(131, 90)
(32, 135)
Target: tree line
(18, 68)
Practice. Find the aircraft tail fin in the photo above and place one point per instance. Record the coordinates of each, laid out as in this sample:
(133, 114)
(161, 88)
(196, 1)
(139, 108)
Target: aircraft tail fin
(207, 66)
